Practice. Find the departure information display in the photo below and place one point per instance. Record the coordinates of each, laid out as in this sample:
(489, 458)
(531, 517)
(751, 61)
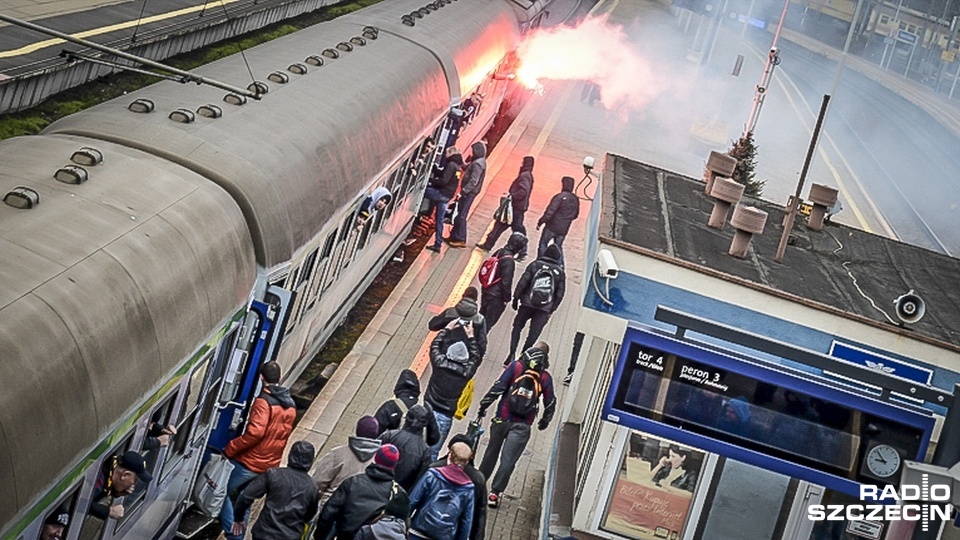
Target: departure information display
(759, 413)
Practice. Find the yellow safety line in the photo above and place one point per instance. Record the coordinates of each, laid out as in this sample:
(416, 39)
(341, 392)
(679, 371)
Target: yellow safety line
(27, 49)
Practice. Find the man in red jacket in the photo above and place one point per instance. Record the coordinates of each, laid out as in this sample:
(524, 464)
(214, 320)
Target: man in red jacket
(262, 443)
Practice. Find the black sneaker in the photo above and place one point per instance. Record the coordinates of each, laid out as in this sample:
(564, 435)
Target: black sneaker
(482, 246)
(567, 379)
(434, 247)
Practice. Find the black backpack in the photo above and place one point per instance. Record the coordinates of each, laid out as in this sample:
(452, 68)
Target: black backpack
(524, 393)
(542, 286)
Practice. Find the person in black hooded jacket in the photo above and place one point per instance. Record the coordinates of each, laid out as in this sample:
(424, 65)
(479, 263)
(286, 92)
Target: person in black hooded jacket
(564, 207)
(406, 393)
(292, 498)
(520, 191)
(494, 299)
(531, 303)
(414, 452)
(466, 309)
(470, 186)
(442, 188)
(453, 366)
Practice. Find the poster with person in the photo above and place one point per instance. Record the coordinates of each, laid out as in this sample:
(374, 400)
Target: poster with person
(652, 493)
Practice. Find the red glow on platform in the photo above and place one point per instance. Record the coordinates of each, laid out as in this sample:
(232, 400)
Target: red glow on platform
(595, 51)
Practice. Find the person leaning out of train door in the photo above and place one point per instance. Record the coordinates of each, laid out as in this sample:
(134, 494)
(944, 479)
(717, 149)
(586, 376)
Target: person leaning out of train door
(55, 526)
(261, 446)
(442, 188)
(470, 186)
(117, 477)
(564, 207)
(373, 203)
(520, 190)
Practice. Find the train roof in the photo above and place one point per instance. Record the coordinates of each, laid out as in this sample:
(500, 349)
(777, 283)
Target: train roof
(296, 158)
(841, 267)
(89, 324)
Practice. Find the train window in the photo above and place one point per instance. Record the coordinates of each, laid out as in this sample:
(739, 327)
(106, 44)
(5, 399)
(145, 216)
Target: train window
(156, 439)
(364, 235)
(56, 522)
(108, 502)
(308, 266)
(188, 415)
(214, 380)
(321, 267)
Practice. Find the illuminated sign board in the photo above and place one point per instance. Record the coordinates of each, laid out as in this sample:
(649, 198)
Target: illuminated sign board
(760, 413)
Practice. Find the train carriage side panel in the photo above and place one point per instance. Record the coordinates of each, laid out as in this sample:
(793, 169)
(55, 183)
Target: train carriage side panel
(134, 269)
(295, 159)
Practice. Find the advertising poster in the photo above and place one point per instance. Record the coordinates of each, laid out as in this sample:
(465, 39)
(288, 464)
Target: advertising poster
(653, 489)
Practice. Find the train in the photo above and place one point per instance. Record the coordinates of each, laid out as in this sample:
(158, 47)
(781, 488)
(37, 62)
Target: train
(156, 249)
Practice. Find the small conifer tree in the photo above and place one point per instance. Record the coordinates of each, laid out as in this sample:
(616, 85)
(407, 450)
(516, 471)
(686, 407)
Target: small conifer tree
(745, 152)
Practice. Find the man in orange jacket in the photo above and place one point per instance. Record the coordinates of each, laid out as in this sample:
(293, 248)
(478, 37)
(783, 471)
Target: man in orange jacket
(261, 445)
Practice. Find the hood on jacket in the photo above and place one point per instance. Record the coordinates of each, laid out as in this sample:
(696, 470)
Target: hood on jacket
(381, 193)
(301, 456)
(535, 359)
(516, 242)
(453, 474)
(527, 164)
(566, 183)
(458, 352)
(416, 419)
(456, 159)
(479, 150)
(281, 395)
(466, 308)
(363, 447)
(553, 253)
(408, 385)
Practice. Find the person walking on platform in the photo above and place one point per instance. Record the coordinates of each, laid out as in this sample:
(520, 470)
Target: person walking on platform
(349, 459)
(470, 186)
(414, 452)
(442, 501)
(564, 207)
(539, 293)
(360, 498)
(406, 394)
(496, 279)
(479, 525)
(520, 191)
(521, 387)
(465, 310)
(453, 367)
(291, 498)
(442, 188)
(262, 443)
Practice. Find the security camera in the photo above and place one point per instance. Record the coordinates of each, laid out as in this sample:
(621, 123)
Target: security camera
(608, 265)
(588, 164)
(910, 307)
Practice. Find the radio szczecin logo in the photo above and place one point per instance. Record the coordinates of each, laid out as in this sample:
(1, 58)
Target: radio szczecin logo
(925, 503)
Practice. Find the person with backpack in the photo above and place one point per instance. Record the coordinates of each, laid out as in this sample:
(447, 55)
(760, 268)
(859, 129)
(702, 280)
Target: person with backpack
(496, 279)
(521, 387)
(414, 452)
(470, 186)
(479, 525)
(465, 310)
(442, 501)
(393, 523)
(520, 190)
(564, 207)
(539, 293)
(406, 394)
(453, 367)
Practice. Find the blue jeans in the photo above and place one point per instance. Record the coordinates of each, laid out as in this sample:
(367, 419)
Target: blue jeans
(545, 238)
(240, 476)
(459, 231)
(439, 202)
(443, 423)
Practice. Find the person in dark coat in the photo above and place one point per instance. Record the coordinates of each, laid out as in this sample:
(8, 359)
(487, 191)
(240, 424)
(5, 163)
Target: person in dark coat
(393, 523)
(442, 188)
(292, 498)
(466, 309)
(453, 367)
(470, 186)
(360, 498)
(526, 302)
(406, 394)
(494, 299)
(520, 191)
(414, 452)
(564, 207)
(479, 525)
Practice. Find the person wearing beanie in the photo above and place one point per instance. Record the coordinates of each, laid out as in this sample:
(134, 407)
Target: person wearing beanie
(538, 294)
(349, 459)
(55, 525)
(495, 297)
(414, 452)
(510, 428)
(442, 501)
(520, 190)
(453, 366)
(479, 524)
(291, 498)
(406, 394)
(360, 498)
(564, 207)
(466, 310)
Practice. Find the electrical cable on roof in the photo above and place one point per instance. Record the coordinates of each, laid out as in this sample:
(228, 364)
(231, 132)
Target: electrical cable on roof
(133, 38)
(854, 279)
(239, 46)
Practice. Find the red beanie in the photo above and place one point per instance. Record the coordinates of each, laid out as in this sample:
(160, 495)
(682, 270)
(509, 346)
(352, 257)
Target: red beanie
(387, 456)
